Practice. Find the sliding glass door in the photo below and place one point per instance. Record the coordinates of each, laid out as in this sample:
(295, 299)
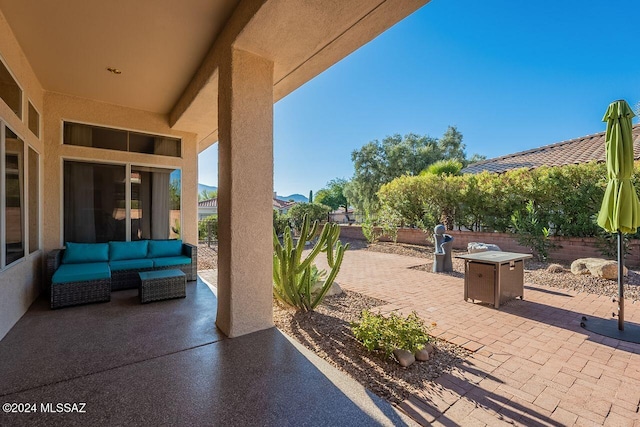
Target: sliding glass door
(94, 202)
(155, 203)
(96, 208)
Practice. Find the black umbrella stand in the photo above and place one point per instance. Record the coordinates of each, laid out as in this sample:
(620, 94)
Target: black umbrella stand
(610, 328)
(620, 282)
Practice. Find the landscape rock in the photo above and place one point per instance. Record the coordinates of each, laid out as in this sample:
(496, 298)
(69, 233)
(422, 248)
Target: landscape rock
(475, 247)
(429, 348)
(405, 357)
(597, 267)
(422, 355)
(335, 289)
(555, 268)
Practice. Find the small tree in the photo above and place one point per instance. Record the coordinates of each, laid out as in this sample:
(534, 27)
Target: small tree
(333, 194)
(315, 211)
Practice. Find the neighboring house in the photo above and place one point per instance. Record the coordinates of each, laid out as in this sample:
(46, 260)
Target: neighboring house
(210, 207)
(207, 208)
(573, 151)
(342, 217)
(102, 120)
(282, 206)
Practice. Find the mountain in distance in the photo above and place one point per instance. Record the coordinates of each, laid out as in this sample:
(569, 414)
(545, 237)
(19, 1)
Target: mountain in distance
(296, 197)
(299, 198)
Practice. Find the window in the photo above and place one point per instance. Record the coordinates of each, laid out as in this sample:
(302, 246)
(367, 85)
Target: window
(34, 120)
(95, 203)
(14, 197)
(34, 200)
(10, 92)
(149, 144)
(120, 140)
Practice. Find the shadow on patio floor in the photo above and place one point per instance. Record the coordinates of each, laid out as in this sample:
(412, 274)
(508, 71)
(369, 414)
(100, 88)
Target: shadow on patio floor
(166, 363)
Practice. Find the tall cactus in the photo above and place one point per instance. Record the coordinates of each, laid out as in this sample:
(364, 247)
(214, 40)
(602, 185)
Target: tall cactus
(292, 276)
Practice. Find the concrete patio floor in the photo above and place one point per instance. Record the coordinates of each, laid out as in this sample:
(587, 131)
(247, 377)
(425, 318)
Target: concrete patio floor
(165, 363)
(532, 363)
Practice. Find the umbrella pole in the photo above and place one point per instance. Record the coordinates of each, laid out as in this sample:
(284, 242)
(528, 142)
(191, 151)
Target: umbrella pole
(620, 283)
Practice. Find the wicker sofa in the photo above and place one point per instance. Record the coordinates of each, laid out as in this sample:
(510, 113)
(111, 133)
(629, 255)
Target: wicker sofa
(82, 273)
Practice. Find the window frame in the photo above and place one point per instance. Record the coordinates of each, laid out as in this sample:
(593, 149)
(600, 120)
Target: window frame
(128, 131)
(30, 104)
(24, 217)
(128, 166)
(15, 80)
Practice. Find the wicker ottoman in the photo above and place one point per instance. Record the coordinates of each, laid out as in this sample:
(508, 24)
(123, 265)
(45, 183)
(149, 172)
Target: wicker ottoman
(162, 284)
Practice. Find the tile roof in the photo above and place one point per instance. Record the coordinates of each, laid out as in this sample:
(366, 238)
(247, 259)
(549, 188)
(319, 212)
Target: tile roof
(573, 151)
(213, 203)
(282, 204)
(210, 203)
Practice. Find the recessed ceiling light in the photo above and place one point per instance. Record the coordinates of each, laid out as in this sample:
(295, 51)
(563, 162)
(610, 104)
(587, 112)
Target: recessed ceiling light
(114, 70)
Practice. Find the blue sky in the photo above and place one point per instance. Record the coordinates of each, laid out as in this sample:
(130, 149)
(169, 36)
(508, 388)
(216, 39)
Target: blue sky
(511, 75)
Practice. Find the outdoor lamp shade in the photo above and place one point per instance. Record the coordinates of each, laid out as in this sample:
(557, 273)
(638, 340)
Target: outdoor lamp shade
(620, 211)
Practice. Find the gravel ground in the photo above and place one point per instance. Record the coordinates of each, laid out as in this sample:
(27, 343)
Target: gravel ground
(207, 256)
(535, 272)
(327, 332)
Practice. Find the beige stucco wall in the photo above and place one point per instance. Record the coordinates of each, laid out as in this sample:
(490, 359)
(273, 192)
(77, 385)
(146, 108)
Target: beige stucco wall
(20, 282)
(60, 107)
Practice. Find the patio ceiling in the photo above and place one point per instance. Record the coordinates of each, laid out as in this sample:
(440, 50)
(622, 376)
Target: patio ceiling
(157, 45)
(169, 51)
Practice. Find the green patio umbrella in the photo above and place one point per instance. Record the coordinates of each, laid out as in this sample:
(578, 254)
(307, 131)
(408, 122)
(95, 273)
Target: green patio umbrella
(620, 211)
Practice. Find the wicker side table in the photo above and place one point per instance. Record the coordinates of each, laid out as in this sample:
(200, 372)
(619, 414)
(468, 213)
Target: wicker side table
(162, 284)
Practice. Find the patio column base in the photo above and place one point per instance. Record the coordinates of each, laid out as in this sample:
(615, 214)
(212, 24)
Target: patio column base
(245, 191)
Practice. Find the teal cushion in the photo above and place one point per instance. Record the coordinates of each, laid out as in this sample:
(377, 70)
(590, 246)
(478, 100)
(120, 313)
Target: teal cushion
(164, 248)
(127, 250)
(130, 264)
(169, 261)
(160, 274)
(67, 273)
(76, 253)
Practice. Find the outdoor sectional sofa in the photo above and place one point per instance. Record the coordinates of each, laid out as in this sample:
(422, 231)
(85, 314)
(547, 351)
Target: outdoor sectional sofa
(83, 273)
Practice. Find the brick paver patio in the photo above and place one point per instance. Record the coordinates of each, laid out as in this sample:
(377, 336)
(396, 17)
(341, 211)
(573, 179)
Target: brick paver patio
(532, 363)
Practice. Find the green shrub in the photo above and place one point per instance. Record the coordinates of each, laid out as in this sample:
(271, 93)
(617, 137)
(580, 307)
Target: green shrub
(532, 232)
(444, 167)
(379, 333)
(315, 212)
(209, 224)
(280, 222)
(565, 198)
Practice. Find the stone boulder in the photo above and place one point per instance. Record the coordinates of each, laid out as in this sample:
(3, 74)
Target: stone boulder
(597, 267)
(474, 247)
(405, 358)
(335, 289)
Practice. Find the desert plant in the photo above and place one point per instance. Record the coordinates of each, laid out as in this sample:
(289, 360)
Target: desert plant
(293, 277)
(386, 334)
(369, 230)
(531, 232)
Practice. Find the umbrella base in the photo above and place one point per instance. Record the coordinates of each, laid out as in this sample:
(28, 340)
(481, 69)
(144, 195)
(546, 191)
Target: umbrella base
(609, 328)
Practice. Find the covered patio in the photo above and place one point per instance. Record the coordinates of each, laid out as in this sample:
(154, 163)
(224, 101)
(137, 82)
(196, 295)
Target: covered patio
(105, 107)
(166, 363)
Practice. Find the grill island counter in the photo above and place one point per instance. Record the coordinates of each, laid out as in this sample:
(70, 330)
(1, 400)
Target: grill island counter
(494, 277)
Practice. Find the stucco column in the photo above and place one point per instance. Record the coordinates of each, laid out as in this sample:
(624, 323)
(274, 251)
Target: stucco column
(245, 189)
